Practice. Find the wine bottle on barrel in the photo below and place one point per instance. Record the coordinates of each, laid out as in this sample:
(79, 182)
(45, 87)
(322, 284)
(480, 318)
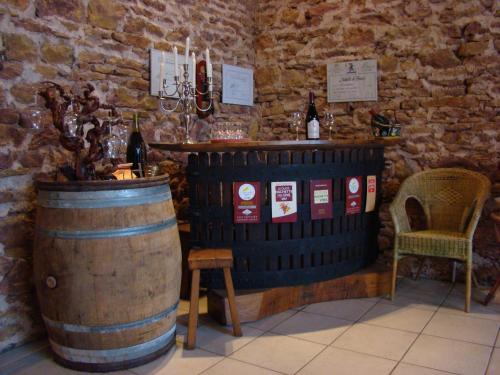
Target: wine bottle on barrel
(136, 149)
(379, 118)
(312, 119)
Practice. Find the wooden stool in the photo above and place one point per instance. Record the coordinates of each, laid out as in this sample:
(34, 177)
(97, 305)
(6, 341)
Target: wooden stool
(201, 259)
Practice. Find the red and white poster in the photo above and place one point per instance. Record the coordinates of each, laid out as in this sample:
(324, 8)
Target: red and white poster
(284, 202)
(246, 202)
(353, 191)
(321, 199)
(371, 193)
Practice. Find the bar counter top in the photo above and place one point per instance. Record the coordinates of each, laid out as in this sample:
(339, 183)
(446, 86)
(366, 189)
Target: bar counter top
(273, 145)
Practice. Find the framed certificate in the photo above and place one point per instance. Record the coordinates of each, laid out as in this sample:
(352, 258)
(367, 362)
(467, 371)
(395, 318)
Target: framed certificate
(284, 202)
(246, 201)
(237, 85)
(352, 81)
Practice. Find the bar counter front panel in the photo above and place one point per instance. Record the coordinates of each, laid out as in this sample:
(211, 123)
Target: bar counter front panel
(269, 254)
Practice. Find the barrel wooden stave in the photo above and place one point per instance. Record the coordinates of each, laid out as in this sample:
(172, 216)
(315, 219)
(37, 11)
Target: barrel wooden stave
(117, 277)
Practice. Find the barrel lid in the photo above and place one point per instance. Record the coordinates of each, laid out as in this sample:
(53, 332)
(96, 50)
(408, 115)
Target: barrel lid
(137, 183)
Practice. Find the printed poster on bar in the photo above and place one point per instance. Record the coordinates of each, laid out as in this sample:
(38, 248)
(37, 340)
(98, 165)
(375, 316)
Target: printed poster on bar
(321, 199)
(353, 188)
(371, 193)
(246, 202)
(284, 202)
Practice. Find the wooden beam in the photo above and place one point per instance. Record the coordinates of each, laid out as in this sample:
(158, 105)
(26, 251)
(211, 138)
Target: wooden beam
(254, 305)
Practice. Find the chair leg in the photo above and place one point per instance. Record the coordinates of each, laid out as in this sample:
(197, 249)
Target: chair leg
(232, 302)
(193, 309)
(453, 271)
(468, 284)
(394, 276)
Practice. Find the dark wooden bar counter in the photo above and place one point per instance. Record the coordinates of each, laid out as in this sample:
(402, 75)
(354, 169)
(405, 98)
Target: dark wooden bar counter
(275, 255)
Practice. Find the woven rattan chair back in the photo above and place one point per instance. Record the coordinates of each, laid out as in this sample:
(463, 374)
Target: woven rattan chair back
(448, 196)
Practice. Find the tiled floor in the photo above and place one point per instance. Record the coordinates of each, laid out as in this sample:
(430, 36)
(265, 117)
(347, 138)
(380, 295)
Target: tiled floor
(424, 331)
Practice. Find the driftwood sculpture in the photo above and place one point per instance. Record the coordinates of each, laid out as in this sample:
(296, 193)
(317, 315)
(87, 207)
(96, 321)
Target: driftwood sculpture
(85, 105)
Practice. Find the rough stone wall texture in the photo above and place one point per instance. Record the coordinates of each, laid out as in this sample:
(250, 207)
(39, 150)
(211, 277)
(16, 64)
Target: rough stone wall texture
(439, 77)
(106, 43)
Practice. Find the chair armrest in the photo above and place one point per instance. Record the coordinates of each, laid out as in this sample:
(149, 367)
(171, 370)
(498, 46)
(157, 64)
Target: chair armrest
(474, 219)
(398, 213)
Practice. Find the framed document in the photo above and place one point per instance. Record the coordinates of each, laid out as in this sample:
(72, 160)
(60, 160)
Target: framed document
(246, 198)
(284, 202)
(352, 81)
(168, 71)
(237, 85)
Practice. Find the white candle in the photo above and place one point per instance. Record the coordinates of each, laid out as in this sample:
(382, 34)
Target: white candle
(209, 70)
(193, 61)
(207, 56)
(162, 69)
(176, 66)
(187, 51)
(1, 43)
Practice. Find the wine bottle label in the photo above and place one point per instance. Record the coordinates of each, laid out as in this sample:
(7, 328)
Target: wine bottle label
(313, 129)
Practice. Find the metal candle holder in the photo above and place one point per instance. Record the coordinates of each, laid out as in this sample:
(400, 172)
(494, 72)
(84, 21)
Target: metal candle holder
(187, 99)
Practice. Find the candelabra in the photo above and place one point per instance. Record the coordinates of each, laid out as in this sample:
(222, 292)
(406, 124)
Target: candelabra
(187, 98)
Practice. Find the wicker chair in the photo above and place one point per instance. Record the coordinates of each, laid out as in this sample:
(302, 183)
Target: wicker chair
(452, 200)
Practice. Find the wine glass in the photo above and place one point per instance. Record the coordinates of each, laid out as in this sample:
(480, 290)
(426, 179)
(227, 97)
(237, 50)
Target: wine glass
(295, 122)
(329, 123)
(70, 122)
(31, 117)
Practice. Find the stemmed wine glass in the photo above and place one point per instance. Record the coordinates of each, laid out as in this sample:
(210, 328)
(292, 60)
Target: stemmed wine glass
(295, 122)
(31, 118)
(329, 123)
(71, 121)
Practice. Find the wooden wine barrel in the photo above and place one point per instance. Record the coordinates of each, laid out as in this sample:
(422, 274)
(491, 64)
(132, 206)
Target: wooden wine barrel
(107, 269)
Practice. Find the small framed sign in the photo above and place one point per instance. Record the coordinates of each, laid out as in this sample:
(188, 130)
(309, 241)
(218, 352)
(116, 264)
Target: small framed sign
(352, 81)
(237, 85)
(321, 199)
(246, 202)
(353, 191)
(284, 202)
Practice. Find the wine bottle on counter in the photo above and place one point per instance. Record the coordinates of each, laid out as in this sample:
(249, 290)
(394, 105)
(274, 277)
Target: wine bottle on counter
(136, 149)
(312, 119)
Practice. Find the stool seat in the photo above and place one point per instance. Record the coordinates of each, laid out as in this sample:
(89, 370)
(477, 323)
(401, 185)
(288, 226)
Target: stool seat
(210, 258)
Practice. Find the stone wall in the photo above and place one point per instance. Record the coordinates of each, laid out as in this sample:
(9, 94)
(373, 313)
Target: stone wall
(439, 76)
(106, 43)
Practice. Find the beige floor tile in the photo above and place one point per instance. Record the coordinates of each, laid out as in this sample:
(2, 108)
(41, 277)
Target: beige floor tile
(180, 362)
(344, 362)
(280, 353)
(379, 341)
(417, 300)
(271, 321)
(407, 369)
(349, 309)
(448, 355)
(494, 366)
(220, 340)
(230, 366)
(424, 286)
(23, 351)
(455, 305)
(313, 327)
(48, 366)
(458, 327)
(397, 317)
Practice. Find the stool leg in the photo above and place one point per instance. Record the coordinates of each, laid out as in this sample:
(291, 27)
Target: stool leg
(232, 302)
(193, 309)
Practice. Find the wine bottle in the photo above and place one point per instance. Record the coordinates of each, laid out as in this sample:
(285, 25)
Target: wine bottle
(312, 119)
(136, 149)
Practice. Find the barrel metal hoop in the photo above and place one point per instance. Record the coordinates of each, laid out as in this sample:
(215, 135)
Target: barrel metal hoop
(110, 328)
(109, 233)
(113, 355)
(104, 198)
